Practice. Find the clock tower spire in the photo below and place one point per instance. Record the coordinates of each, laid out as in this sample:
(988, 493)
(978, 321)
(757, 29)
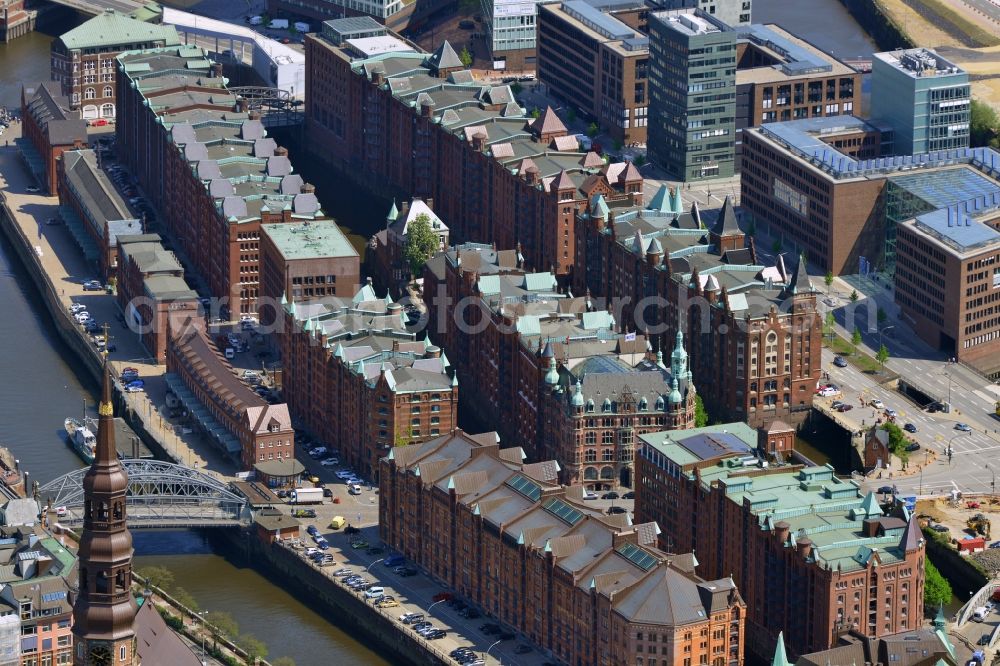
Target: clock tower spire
(104, 609)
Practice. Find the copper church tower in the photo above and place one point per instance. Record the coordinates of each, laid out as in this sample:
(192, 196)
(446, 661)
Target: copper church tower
(104, 611)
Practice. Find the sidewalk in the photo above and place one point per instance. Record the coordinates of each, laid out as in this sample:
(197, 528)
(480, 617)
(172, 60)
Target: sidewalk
(65, 266)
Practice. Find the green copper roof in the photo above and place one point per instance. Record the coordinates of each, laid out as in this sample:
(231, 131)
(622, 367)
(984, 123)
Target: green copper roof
(114, 29)
(780, 656)
(309, 241)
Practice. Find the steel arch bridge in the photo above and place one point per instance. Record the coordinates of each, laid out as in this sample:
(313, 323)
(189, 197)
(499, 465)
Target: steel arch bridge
(277, 107)
(161, 495)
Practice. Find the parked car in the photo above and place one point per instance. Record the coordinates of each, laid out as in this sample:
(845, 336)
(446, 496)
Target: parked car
(878, 404)
(913, 446)
(629, 495)
(941, 529)
(405, 572)
(909, 427)
(77, 307)
(845, 408)
(359, 544)
(93, 285)
(885, 490)
(589, 495)
(610, 495)
(32, 189)
(616, 509)
(411, 618)
(840, 361)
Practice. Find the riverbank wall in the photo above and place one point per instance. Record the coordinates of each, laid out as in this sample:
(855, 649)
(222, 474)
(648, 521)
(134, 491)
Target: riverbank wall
(65, 325)
(377, 628)
(876, 21)
(68, 330)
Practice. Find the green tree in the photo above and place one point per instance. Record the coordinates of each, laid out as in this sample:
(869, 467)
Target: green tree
(593, 130)
(830, 323)
(752, 229)
(160, 577)
(984, 125)
(854, 296)
(184, 598)
(700, 415)
(776, 246)
(828, 279)
(254, 648)
(283, 661)
(897, 440)
(517, 89)
(421, 243)
(882, 355)
(536, 112)
(937, 591)
(571, 115)
(856, 339)
(221, 625)
(639, 160)
(881, 316)
(465, 57)
(618, 145)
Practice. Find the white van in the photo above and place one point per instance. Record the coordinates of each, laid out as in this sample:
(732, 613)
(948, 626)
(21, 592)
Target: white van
(374, 592)
(980, 613)
(230, 353)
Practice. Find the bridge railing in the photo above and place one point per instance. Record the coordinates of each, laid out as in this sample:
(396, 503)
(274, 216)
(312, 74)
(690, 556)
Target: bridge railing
(977, 600)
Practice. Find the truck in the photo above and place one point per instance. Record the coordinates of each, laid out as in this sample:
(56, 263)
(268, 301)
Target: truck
(307, 496)
(301, 26)
(278, 24)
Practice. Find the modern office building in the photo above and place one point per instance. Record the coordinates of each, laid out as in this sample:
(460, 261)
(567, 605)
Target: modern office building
(692, 86)
(510, 33)
(923, 97)
(812, 555)
(731, 12)
(948, 280)
(595, 55)
(83, 59)
(781, 77)
(409, 123)
(588, 587)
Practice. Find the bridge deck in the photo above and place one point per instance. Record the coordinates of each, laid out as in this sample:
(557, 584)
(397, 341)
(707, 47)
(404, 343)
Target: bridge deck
(98, 6)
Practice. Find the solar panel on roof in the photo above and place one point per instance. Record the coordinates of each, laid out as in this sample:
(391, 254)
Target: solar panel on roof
(54, 596)
(637, 556)
(562, 510)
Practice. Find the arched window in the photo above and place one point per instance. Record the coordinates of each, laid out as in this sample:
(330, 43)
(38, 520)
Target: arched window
(89, 93)
(590, 474)
(107, 110)
(108, 91)
(607, 473)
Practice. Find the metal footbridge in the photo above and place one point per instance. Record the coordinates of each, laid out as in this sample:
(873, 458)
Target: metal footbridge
(95, 7)
(161, 495)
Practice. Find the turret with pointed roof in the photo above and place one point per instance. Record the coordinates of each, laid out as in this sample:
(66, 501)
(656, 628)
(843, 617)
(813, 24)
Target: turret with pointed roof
(444, 60)
(104, 611)
(548, 126)
(725, 233)
(800, 283)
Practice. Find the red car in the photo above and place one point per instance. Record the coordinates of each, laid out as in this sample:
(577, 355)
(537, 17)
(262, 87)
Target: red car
(442, 596)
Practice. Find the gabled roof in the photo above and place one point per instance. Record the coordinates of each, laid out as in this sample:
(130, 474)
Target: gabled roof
(114, 29)
(800, 280)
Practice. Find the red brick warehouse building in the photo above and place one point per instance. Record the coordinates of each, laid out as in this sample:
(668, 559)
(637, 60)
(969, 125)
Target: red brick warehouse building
(590, 588)
(207, 163)
(151, 290)
(417, 124)
(228, 410)
(48, 129)
(751, 330)
(354, 357)
(566, 383)
(811, 554)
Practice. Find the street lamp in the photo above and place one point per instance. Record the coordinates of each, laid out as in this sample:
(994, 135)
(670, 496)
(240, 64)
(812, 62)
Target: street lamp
(433, 605)
(880, 332)
(369, 567)
(993, 483)
(487, 653)
(201, 615)
(950, 452)
(948, 375)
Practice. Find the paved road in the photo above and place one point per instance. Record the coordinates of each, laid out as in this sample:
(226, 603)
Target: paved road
(64, 262)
